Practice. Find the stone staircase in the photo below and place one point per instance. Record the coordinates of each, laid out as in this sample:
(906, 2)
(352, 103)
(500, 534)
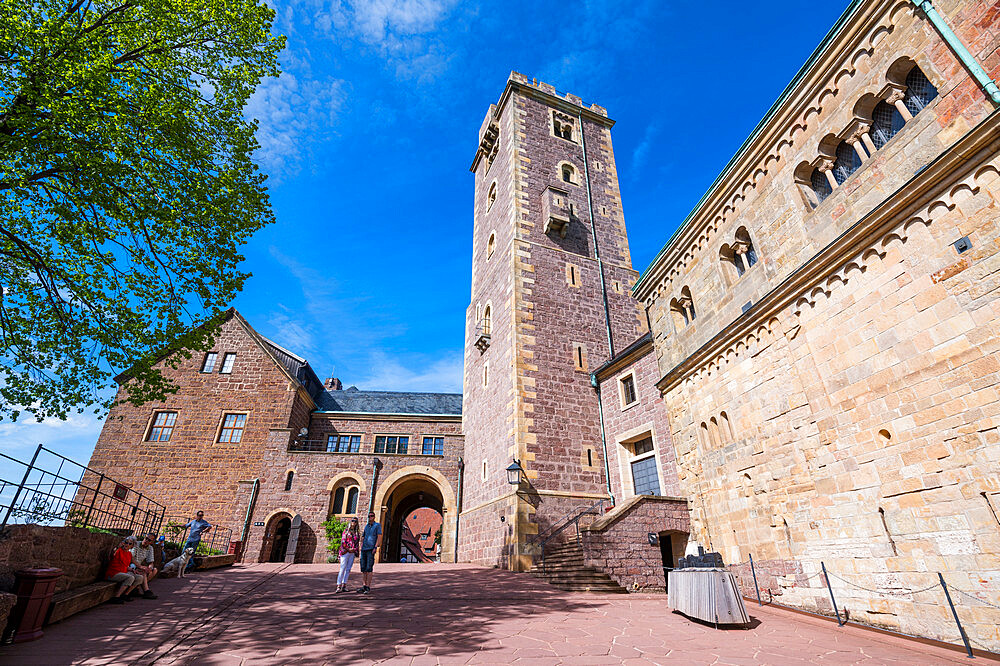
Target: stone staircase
(563, 568)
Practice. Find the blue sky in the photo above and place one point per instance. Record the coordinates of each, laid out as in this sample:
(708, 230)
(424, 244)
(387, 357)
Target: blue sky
(369, 133)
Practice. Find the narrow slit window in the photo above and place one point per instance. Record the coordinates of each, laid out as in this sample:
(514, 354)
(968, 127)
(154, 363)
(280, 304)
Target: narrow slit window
(288, 480)
(590, 458)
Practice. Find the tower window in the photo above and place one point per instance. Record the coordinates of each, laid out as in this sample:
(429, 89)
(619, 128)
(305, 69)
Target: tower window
(580, 357)
(491, 245)
(288, 480)
(572, 275)
(568, 173)
(491, 196)
(562, 126)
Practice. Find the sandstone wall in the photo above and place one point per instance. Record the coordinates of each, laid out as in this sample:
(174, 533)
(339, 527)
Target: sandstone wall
(646, 417)
(318, 474)
(193, 470)
(80, 554)
(618, 544)
(851, 413)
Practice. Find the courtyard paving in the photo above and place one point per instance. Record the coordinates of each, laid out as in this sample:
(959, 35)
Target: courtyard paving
(434, 614)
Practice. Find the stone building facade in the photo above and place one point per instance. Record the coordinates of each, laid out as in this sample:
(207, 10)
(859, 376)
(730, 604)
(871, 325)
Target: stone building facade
(807, 372)
(826, 326)
(550, 300)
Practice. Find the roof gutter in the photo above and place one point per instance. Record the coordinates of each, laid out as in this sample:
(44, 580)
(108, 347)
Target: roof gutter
(786, 93)
(988, 85)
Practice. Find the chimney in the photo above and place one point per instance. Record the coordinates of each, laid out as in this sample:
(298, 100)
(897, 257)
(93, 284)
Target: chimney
(332, 384)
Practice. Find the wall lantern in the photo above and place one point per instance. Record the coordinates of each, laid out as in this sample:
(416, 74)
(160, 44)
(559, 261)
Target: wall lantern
(514, 471)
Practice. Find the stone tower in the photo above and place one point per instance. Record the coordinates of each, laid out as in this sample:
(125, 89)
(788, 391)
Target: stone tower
(551, 274)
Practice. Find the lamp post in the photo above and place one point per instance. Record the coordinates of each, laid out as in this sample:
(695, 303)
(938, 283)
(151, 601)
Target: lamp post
(514, 472)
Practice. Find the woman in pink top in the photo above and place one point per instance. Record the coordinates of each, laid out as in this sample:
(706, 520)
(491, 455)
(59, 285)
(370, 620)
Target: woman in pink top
(350, 541)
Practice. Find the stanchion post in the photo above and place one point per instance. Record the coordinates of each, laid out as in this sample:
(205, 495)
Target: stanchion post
(830, 589)
(961, 631)
(755, 586)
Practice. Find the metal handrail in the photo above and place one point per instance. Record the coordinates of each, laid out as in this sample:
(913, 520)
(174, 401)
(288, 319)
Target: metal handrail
(571, 519)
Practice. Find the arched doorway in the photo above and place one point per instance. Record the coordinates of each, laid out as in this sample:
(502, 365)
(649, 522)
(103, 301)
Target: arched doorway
(279, 543)
(402, 493)
(278, 526)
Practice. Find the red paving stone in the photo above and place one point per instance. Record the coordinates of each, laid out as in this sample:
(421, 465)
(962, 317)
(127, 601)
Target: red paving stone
(434, 614)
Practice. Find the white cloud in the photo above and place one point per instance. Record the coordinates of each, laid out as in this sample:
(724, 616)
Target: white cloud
(641, 152)
(390, 374)
(291, 110)
(381, 21)
(74, 438)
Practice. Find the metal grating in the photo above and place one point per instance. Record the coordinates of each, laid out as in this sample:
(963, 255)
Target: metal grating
(820, 184)
(919, 91)
(848, 161)
(886, 123)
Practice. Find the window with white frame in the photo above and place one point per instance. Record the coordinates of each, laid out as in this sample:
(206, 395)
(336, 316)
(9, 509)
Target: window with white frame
(227, 363)
(645, 476)
(208, 365)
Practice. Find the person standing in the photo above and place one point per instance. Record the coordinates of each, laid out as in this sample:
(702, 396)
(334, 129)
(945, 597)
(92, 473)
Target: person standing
(196, 528)
(371, 539)
(350, 541)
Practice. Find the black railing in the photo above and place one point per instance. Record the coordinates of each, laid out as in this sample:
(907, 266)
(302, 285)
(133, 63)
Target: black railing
(571, 519)
(214, 542)
(54, 490)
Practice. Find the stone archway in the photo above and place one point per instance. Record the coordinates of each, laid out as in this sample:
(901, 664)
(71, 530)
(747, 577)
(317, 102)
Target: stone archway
(271, 535)
(402, 492)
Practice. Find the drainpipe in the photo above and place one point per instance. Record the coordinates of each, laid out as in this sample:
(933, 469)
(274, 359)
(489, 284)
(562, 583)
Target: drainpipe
(246, 523)
(593, 231)
(604, 441)
(376, 464)
(988, 85)
(458, 509)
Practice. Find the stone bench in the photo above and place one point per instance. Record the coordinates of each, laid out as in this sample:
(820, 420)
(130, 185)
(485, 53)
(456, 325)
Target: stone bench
(79, 599)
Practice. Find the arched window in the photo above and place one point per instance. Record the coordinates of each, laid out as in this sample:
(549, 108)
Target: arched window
(491, 196)
(338, 500)
(886, 123)
(288, 480)
(703, 435)
(713, 426)
(919, 91)
(727, 427)
(487, 322)
(742, 253)
(352, 500)
(820, 185)
(568, 173)
(491, 245)
(848, 161)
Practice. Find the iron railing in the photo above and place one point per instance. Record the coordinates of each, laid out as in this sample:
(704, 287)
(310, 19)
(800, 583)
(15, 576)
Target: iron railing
(54, 490)
(214, 542)
(571, 519)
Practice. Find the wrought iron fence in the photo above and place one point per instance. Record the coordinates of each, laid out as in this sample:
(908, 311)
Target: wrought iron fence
(54, 490)
(214, 542)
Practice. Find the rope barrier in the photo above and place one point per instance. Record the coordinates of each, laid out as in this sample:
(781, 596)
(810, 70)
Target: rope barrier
(974, 597)
(885, 592)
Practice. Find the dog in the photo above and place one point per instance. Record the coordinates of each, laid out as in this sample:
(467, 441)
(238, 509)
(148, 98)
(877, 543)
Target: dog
(179, 563)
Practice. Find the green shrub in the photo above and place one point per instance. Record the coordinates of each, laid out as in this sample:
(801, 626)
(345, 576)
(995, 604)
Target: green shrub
(334, 528)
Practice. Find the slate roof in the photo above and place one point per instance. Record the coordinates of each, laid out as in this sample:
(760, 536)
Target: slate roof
(352, 399)
(297, 366)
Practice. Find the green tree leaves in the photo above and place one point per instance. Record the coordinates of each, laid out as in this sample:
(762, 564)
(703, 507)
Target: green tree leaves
(126, 188)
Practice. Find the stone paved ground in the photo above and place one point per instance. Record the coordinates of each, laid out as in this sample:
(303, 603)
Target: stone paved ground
(434, 614)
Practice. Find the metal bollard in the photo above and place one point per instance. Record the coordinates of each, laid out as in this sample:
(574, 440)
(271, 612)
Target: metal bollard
(830, 588)
(755, 586)
(961, 631)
